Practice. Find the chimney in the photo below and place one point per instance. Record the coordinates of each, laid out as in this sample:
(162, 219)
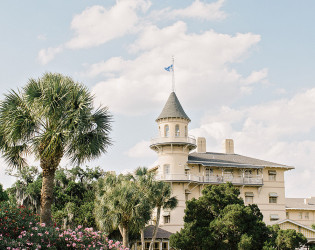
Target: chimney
(201, 145)
(229, 146)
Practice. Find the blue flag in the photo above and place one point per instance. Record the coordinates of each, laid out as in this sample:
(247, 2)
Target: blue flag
(169, 68)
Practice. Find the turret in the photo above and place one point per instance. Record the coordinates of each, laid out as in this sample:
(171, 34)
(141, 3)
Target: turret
(173, 143)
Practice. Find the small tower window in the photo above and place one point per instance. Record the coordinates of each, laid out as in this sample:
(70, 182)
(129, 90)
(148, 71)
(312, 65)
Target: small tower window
(177, 133)
(186, 133)
(166, 131)
(167, 169)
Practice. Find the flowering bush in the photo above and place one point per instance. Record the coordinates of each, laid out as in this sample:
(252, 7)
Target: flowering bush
(42, 237)
(14, 220)
(20, 229)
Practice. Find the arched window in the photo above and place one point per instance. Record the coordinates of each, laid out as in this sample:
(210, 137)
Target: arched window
(186, 132)
(166, 130)
(177, 130)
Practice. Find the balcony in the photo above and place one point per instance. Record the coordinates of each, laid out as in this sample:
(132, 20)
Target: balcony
(173, 140)
(239, 180)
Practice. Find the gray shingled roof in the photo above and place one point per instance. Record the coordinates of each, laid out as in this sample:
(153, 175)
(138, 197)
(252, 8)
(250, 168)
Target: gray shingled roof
(300, 203)
(173, 109)
(230, 160)
(161, 233)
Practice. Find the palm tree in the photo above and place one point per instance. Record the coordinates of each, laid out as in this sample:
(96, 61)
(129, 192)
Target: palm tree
(120, 204)
(52, 117)
(161, 198)
(145, 180)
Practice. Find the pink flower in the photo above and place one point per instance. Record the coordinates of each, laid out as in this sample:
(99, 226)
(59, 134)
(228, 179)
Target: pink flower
(40, 234)
(46, 232)
(79, 227)
(74, 244)
(43, 224)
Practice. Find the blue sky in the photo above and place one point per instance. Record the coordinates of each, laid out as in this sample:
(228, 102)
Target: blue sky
(244, 70)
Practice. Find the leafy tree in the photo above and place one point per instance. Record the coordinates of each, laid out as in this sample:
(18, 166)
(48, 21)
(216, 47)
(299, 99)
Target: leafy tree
(52, 117)
(120, 204)
(161, 197)
(74, 194)
(145, 181)
(283, 239)
(3, 194)
(220, 220)
(26, 190)
(290, 239)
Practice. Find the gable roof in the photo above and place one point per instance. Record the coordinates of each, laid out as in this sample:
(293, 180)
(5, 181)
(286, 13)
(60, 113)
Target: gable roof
(161, 233)
(295, 223)
(230, 160)
(173, 109)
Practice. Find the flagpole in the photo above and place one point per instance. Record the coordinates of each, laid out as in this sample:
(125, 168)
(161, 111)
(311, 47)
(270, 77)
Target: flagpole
(173, 75)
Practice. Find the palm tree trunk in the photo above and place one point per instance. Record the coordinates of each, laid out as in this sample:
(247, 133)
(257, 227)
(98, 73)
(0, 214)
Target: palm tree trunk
(158, 213)
(47, 195)
(142, 238)
(125, 236)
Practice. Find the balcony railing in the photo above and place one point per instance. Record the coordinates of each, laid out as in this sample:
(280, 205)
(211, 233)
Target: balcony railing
(175, 139)
(251, 180)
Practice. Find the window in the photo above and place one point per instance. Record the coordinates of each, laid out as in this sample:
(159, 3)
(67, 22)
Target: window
(272, 175)
(228, 174)
(306, 216)
(167, 169)
(186, 133)
(165, 246)
(156, 245)
(249, 197)
(248, 173)
(167, 219)
(287, 215)
(166, 131)
(177, 134)
(147, 245)
(274, 217)
(300, 215)
(273, 197)
(208, 173)
(159, 131)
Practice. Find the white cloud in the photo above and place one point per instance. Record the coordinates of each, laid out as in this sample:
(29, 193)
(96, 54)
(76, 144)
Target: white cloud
(97, 25)
(141, 150)
(46, 55)
(203, 73)
(198, 9)
(269, 131)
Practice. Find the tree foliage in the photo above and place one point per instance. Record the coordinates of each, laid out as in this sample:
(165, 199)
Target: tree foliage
(3, 194)
(220, 220)
(73, 194)
(52, 117)
(120, 204)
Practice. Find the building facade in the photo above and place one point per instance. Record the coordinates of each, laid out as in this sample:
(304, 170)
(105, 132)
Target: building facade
(184, 162)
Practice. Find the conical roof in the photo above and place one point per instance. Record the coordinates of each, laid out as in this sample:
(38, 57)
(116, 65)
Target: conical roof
(173, 109)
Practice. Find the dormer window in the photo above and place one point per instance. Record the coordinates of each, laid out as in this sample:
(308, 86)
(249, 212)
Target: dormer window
(166, 131)
(177, 133)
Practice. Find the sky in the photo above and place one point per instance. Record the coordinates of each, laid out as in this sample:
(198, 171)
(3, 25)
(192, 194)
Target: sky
(243, 70)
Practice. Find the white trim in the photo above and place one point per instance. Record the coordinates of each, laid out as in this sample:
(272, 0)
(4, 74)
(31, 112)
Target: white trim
(296, 223)
(298, 208)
